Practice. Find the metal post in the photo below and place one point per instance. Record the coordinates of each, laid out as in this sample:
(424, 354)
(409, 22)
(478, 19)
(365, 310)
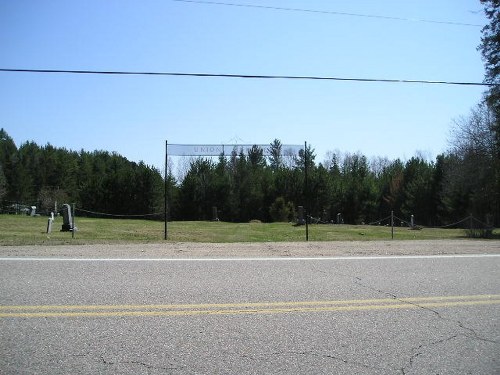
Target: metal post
(73, 223)
(306, 191)
(165, 187)
(392, 224)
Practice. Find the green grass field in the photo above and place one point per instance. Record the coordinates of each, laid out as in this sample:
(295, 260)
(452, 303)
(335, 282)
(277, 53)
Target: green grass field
(25, 230)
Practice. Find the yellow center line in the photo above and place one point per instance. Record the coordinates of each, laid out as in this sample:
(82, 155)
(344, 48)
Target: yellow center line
(246, 304)
(244, 308)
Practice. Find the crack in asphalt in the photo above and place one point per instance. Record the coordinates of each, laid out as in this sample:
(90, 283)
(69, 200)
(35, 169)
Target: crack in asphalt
(329, 356)
(417, 351)
(139, 363)
(316, 355)
(105, 361)
(358, 281)
(150, 367)
(475, 335)
(471, 333)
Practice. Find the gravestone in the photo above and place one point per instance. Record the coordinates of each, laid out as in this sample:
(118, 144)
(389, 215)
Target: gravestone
(50, 222)
(215, 216)
(340, 219)
(67, 218)
(300, 219)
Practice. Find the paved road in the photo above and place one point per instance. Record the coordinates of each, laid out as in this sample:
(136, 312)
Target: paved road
(386, 315)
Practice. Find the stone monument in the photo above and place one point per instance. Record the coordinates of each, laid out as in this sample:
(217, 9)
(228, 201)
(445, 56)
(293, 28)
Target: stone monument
(300, 219)
(67, 218)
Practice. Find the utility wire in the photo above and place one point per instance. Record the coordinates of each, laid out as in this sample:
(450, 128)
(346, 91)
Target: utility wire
(248, 76)
(391, 18)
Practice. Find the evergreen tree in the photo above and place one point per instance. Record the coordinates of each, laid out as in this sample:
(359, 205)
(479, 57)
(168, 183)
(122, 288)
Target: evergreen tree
(417, 187)
(391, 188)
(196, 191)
(275, 155)
(8, 157)
(3, 185)
(359, 191)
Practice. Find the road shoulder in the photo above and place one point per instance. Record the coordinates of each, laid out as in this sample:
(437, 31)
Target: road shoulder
(268, 249)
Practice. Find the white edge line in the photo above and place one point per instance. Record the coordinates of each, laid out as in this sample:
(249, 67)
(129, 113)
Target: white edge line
(249, 259)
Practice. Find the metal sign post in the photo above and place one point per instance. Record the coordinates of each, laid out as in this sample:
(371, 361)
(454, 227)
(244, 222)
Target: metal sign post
(306, 192)
(73, 223)
(165, 188)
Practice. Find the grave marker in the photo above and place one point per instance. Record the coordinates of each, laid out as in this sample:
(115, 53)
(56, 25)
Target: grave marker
(67, 218)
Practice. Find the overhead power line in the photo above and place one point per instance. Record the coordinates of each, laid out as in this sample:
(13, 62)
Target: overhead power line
(246, 76)
(390, 18)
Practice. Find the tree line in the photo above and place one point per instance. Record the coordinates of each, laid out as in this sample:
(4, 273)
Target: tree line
(44, 176)
(263, 184)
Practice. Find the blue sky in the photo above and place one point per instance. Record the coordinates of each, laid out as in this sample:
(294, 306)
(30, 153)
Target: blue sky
(134, 115)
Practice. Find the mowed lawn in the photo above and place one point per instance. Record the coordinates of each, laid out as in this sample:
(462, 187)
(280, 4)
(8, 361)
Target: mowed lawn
(26, 230)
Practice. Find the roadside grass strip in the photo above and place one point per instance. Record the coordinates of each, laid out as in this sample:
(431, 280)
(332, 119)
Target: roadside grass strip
(80, 311)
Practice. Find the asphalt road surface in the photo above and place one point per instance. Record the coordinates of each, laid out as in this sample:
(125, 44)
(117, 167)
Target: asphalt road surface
(358, 315)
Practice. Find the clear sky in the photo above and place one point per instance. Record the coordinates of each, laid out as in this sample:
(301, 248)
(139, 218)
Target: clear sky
(134, 115)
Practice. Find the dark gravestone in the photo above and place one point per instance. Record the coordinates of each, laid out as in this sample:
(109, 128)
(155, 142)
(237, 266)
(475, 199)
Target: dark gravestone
(300, 219)
(67, 218)
(340, 219)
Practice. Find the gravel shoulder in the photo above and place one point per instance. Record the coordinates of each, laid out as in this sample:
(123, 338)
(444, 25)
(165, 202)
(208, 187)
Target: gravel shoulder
(269, 249)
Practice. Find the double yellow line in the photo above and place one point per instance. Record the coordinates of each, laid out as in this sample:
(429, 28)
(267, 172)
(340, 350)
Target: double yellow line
(67, 311)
